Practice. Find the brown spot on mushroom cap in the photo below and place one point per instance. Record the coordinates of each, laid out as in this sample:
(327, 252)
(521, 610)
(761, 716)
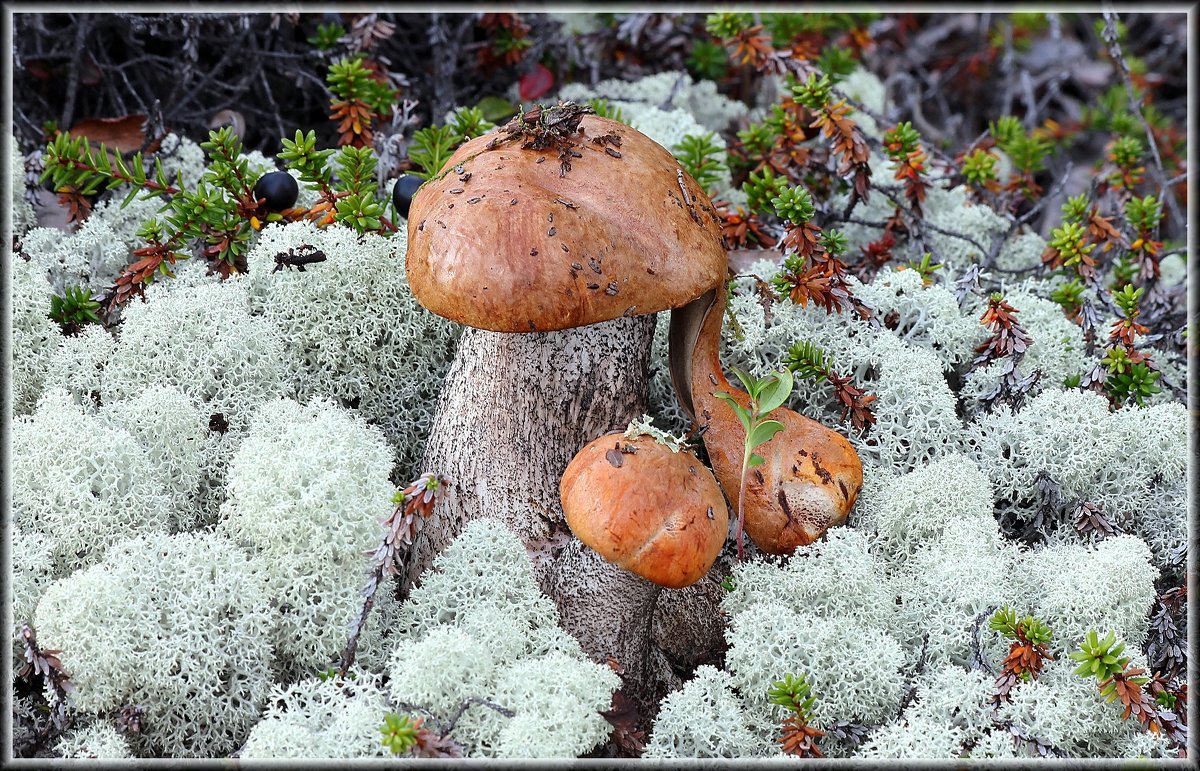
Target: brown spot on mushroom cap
(649, 515)
(622, 214)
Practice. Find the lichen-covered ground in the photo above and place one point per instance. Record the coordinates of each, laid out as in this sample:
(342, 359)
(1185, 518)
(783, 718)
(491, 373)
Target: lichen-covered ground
(963, 233)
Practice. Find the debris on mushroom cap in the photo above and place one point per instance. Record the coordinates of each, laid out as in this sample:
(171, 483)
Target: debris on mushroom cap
(541, 251)
(652, 511)
(644, 427)
(811, 474)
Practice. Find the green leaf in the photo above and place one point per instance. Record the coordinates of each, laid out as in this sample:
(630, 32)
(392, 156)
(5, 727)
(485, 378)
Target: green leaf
(496, 109)
(763, 432)
(399, 733)
(742, 413)
(754, 460)
(121, 166)
(748, 383)
(775, 393)
(726, 396)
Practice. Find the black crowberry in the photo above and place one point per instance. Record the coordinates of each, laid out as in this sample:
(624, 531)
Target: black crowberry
(279, 188)
(402, 193)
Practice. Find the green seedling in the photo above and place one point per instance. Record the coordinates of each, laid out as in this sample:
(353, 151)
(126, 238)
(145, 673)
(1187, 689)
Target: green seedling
(766, 394)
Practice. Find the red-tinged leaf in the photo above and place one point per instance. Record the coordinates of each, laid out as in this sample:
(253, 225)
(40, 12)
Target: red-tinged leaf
(38, 69)
(535, 83)
(90, 73)
(150, 263)
(78, 207)
(800, 739)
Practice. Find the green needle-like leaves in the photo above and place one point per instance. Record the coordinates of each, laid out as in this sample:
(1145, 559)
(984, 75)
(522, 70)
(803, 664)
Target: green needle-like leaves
(793, 693)
(399, 733)
(1100, 658)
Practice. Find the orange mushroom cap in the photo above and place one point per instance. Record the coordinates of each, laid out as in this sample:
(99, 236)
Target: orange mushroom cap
(504, 239)
(808, 482)
(640, 505)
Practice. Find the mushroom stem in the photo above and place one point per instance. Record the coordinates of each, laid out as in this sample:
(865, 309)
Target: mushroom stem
(512, 413)
(695, 353)
(695, 358)
(812, 474)
(611, 611)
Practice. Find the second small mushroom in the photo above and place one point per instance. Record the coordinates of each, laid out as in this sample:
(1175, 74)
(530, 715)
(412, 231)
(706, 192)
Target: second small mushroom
(811, 474)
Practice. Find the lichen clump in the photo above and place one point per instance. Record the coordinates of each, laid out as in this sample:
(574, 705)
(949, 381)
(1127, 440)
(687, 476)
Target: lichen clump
(176, 624)
(307, 489)
(481, 616)
(354, 328)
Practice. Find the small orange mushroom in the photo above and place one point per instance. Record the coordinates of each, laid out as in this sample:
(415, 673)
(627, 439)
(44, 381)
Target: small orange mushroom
(647, 507)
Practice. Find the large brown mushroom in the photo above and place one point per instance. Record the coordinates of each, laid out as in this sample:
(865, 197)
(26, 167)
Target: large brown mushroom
(811, 474)
(571, 230)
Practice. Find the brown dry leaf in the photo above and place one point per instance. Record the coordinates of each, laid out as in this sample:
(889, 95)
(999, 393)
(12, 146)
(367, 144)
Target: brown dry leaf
(124, 134)
(624, 717)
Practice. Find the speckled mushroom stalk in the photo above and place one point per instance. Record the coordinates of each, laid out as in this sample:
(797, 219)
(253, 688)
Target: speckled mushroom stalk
(811, 474)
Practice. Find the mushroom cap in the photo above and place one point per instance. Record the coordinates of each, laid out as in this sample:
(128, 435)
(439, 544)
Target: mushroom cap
(517, 247)
(657, 513)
